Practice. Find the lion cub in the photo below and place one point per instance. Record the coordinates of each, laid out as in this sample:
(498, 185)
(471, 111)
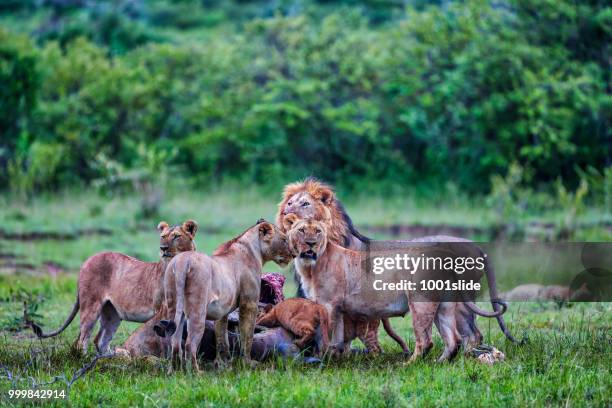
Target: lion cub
(300, 316)
(201, 287)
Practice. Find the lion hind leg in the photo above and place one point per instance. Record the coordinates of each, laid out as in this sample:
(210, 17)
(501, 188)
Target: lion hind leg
(422, 319)
(370, 336)
(195, 332)
(109, 323)
(446, 323)
(306, 333)
(89, 317)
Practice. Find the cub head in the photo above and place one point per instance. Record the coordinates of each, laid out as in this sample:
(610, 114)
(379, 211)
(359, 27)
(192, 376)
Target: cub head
(267, 318)
(308, 240)
(176, 238)
(274, 243)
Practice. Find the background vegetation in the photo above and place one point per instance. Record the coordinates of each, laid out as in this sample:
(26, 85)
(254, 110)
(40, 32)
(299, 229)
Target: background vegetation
(484, 119)
(400, 93)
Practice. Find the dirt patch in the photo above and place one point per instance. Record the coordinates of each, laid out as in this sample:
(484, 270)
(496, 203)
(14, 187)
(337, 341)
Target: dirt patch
(13, 263)
(53, 268)
(54, 235)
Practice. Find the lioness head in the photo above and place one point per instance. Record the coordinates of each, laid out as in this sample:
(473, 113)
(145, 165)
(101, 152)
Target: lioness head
(308, 239)
(176, 238)
(274, 243)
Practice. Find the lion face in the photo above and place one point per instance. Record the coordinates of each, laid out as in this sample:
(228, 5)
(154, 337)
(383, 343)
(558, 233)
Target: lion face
(308, 239)
(274, 244)
(176, 238)
(303, 206)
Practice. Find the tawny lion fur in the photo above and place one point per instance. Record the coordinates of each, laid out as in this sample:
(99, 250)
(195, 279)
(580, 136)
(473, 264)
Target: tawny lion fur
(113, 287)
(317, 200)
(313, 199)
(334, 277)
(201, 287)
(302, 317)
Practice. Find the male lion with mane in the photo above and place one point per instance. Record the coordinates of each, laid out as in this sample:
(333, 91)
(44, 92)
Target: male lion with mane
(314, 199)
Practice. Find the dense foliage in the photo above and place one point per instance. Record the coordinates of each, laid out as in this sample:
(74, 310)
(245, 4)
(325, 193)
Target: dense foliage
(457, 92)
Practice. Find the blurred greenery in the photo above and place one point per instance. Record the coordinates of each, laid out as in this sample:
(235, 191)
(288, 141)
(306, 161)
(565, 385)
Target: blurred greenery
(264, 92)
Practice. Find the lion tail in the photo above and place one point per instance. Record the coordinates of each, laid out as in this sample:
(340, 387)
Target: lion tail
(498, 312)
(393, 334)
(323, 317)
(180, 280)
(496, 302)
(38, 330)
(499, 306)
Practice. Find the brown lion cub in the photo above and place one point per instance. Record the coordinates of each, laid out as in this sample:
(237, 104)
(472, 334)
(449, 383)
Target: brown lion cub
(113, 287)
(201, 286)
(300, 316)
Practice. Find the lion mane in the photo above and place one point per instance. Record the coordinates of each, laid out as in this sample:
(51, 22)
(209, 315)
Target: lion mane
(328, 209)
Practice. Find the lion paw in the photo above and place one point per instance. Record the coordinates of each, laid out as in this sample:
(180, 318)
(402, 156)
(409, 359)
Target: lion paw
(220, 364)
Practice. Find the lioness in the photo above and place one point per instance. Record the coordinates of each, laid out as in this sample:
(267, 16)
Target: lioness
(365, 330)
(113, 287)
(314, 199)
(334, 277)
(301, 317)
(201, 286)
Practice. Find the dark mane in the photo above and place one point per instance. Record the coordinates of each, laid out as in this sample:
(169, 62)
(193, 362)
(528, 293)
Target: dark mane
(349, 225)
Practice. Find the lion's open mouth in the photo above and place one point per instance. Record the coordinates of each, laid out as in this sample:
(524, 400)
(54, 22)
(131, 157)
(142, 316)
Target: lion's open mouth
(310, 254)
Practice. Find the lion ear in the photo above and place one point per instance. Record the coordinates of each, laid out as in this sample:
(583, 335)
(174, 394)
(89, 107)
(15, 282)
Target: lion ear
(265, 229)
(191, 227)
(268, 307)
(326, 195)
(289, 220)
(162, 226)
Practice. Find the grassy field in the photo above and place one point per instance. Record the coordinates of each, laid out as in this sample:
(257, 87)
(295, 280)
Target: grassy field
(566, 361)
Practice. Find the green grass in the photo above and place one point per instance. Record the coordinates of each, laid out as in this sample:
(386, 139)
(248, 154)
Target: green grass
(567, 360)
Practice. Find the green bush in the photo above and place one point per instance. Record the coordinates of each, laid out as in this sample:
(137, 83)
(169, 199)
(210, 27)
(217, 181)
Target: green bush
(438, 94)
(19, 86)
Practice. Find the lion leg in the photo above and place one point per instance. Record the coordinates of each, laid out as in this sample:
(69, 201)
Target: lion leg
(222, 339)
(422, 319)
(195, 308)
(109, 323)
(195, 332)
(447, 326)
(248, 315)
(177, 343)
(369, 337)
(336, 320)
(306, 333)
(466, 325)
(89, 316)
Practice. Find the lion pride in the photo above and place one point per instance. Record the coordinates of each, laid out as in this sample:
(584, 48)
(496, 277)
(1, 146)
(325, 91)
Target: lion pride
(314, 199)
